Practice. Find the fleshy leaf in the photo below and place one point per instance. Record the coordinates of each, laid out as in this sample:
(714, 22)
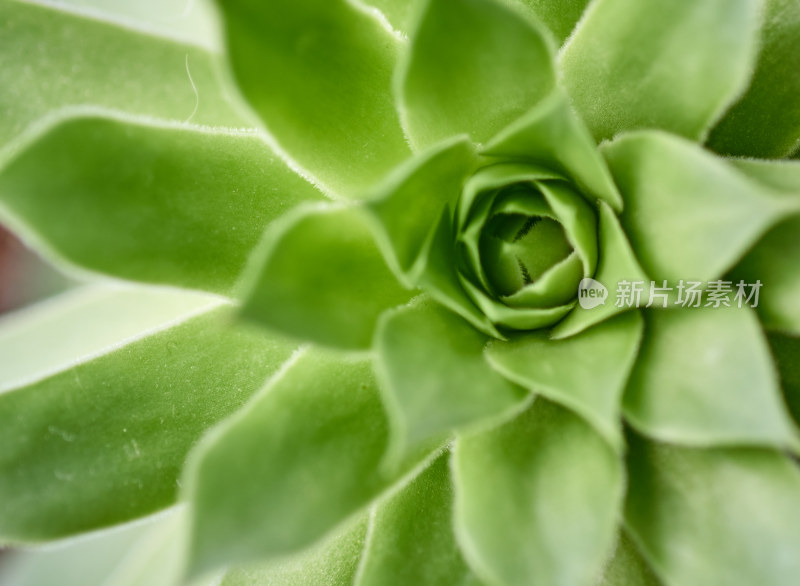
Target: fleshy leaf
(786, 352)
(411, 538)
(83, 562)
(586, 373)
(775, 259)
(158, 557)
(627, 567)
(83, 323)
(616, 263)
(552, 135)
(765, 122)
(399, 13)
(434, 373)
(439, 277)
(319, 73)
(704, 376)
(103, 439)
(537, 499)
(331, 562)
(728, 213)
(560, 16)
(715, 516)
(671, 65)
(410, 203)
(320, 276)
(473, 67)
(53, 58)
(157, 204)
(303, 456)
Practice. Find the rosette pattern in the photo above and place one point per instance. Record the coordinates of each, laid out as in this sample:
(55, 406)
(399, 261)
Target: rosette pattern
(348, 337)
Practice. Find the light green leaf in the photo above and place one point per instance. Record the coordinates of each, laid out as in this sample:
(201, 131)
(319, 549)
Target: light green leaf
(398, 13)
(84, 562)
(715, 516)
(473, 67)
(560, 16)
(775, 259)
(435, 376)
(319, 276)
(331, 562)
(160, 204)
(786, 353)
(705, 377)
(627, 567)
(411, 201)
(439, 277)
(586, 373)
(694, 223)
(616, 263)
(83, 323)
(52, 58)
(411, 537)
(765, 122)
(319, 72)
(552, 135)
(671, 65)
(537, 499)
(158, 557)
(304, 456)
(195, 22)
(101, 439)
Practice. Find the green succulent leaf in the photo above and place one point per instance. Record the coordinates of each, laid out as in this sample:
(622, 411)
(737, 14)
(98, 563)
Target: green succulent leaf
(411, 538)
(410, 202)
(319, 275)
(301, 458)
(398, 13)
(775, 259)
(786, 352)
(675, 65)
(439, 277)
(627, 567)
(89, 561)
(537, 499)
(158, 557)
(331, 562)
(552, 135)
(435, 377)
(472, 68)
(728, 214)
(334, 113)
(723, 516)
(109, 67)
(586, 373)
(560, 16)
(704, 376)
(615, 264)
(160, 204)
(99, 437)
(765, 122)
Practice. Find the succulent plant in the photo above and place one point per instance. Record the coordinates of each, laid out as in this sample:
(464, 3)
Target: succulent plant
(496, 292)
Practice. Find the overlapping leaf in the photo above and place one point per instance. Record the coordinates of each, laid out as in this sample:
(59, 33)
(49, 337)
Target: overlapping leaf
(715, 516)
(318, 73)
(537, 499)
(99, 437)
(51, 58)
(165, 204)
(670, 65)
(472, 68)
